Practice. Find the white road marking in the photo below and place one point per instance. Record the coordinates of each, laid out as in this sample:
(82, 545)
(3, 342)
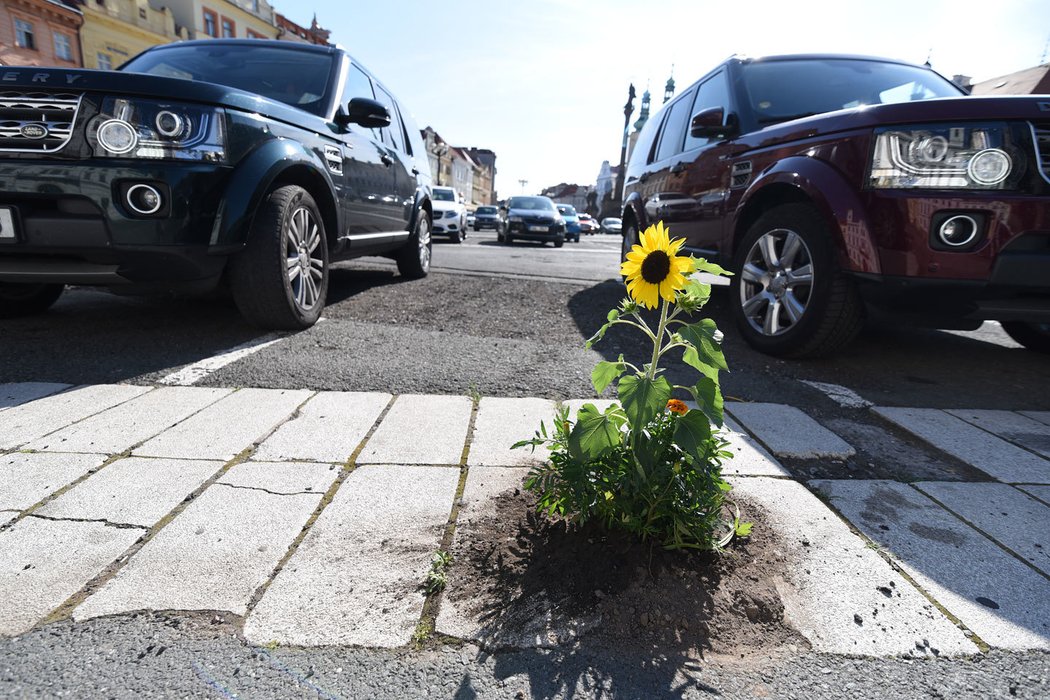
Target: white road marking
(841, 395)
(191, 374)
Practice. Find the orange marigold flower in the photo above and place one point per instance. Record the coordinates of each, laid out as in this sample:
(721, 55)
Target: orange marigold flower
(676, 406)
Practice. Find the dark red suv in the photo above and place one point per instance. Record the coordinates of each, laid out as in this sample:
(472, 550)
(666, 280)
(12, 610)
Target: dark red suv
(833, 184)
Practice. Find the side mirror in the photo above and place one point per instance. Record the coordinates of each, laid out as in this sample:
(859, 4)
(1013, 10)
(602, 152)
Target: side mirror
(711, 123)
(370, 114)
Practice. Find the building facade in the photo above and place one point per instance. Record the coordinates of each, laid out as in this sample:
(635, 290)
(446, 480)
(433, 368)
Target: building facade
(40, 33)
(565, 193)
(288, 30)
(116, 30)
(484, 174)
(220, 19)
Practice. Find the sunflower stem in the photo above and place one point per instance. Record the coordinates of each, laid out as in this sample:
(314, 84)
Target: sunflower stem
(657, 339)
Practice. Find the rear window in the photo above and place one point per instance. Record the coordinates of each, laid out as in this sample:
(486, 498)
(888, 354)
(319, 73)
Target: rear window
(297, 78)
(783, 90)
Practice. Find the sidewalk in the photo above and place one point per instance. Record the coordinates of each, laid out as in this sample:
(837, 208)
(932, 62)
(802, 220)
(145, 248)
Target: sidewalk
(314, 515)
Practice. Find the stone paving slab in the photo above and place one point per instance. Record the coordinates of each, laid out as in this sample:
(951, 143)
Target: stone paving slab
(329, 427)
(282, 477)
(17, 393)
(132, 491)
(835, 580)
(749, 458)
(1004, 602)
(355, 578)
(420, 430)
(788, 432)
(29, 421)
(7, 516)
(1041, 416)
(212, 556)
(1040, 492)
(1009, 516)
(1020, 430)
(128, 424)
(986, 452)
(227, 427)
(502, 422)
(455, 618)
(28, 478)
(47, 561)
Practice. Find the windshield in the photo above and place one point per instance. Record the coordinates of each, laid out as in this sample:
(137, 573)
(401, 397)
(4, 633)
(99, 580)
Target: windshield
(297, 78)
(534, 203)
(567, 210)
(486, 210)
(443, 194)
(782, 90)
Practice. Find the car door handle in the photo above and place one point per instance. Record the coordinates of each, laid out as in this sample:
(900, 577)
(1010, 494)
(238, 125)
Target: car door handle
(387, 160)
(415, 171)
(678, 168)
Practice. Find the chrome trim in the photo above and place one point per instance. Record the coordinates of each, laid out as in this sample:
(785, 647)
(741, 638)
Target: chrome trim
(62, 128)
(1041, 133)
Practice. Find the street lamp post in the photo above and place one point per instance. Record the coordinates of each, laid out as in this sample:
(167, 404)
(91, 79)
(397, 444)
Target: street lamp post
(628, 109)
(440, 150)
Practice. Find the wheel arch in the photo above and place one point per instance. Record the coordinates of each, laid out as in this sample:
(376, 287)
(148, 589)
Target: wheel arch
(808, 181)
(274, 164)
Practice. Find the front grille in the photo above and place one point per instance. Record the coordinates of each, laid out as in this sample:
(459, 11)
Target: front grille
(36, 122)
(1041, 136)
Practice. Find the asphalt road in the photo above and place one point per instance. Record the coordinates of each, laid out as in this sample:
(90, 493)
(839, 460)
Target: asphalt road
(504, 322)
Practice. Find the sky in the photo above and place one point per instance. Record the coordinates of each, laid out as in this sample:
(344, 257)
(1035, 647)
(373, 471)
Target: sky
(543, 83)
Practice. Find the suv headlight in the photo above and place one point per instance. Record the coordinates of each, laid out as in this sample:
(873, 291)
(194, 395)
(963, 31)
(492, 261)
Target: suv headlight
(974, 156)
(134, 128)
(514, 219)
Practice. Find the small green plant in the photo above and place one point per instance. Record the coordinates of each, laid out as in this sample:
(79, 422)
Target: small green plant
(474, 393)
(648, 465)
(437, 578)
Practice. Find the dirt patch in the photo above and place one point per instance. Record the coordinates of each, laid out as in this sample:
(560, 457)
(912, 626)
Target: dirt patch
(530, 582)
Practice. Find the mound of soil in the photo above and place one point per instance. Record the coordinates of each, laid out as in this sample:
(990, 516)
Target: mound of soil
(519, 573)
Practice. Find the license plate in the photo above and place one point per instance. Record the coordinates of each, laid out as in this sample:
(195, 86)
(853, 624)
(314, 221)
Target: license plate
(537, 228)
(7, 224)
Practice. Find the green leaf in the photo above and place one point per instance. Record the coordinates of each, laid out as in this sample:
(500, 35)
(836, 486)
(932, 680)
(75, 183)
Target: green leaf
(614, 314)
(702, 265)
(696, 294)
(744, 529)
(704, 336)
(692, 433)
(643, 398)
(604, 373)
(708, 397)
(595, 434)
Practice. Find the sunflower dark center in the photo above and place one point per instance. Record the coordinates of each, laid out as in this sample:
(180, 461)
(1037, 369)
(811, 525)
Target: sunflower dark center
(655, 267)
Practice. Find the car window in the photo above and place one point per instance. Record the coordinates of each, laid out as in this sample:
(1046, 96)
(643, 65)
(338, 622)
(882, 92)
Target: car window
(358, 84)
(486, 210)
(393, 135)
(713, 92)
(444, 194)
(295, 77)
(532, 203)
(674, 128)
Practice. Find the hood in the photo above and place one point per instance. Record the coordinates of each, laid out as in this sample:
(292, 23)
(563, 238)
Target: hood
(119, 83)
(442, 205)
(944, 109)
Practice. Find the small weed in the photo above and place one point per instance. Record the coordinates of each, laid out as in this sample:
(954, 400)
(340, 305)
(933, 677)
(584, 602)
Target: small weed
(474, 393)
(875, 546)
(437, 577)
(271, 645)
(423, 632)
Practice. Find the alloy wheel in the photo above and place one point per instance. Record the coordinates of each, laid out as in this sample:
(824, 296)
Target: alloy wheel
(423, 236)
(305, 269)
(776, 282)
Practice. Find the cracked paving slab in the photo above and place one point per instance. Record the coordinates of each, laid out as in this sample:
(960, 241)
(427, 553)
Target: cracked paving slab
(1002, 600)
(47, 561)
(329, 428)
(134, 491)
(282, 477)
(212, 556)
(355, 579)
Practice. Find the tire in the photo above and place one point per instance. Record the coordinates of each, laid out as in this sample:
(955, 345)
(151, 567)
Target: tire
(27, 299)
(630, 239)
(476, 228)
(797, 304)
(270, 293)
(559, 242)
(456, 236)
(1034, 336)
(413, 260)
(508, 239)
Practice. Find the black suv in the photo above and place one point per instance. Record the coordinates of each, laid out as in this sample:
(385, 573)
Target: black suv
(831, 185)
(257, 162)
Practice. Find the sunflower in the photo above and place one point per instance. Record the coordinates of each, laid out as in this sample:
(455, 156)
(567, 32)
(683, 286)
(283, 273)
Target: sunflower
(652, 268)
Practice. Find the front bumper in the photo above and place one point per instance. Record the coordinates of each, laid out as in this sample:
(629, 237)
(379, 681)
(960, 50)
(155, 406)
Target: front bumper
(536, 232)
(486, 223)
(72, 225)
